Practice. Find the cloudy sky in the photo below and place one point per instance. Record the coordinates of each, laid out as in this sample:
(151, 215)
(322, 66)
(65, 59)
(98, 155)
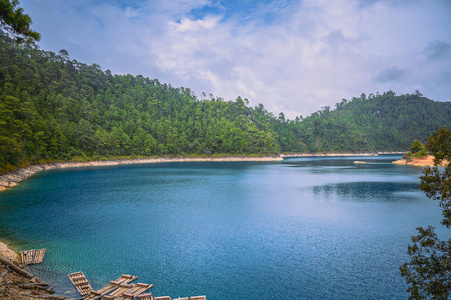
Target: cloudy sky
(294, 56)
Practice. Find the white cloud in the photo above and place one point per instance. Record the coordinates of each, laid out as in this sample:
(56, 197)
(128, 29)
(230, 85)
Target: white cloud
(307, 55)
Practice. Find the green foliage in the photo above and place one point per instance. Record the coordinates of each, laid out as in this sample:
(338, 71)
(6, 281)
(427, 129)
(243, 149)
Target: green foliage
(421, 153)
(440, 145)
(375, 123)
(15, 22)
(428, 273)
(416, 146)
(417, 150)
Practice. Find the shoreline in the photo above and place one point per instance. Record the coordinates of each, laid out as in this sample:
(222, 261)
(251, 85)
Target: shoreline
(289, 155)
(13, 178)
(419, 162)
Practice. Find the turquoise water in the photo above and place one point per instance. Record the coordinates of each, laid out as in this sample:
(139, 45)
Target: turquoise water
(305, 228)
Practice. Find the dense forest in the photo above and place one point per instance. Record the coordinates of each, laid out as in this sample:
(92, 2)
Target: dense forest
(375, 123)
(53, 108)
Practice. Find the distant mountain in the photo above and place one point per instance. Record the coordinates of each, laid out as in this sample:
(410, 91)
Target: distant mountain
(56, 109)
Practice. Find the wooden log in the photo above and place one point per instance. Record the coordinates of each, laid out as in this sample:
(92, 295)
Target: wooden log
(21, 271)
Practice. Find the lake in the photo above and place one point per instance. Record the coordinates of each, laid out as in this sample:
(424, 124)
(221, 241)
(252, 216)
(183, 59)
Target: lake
(302, 228)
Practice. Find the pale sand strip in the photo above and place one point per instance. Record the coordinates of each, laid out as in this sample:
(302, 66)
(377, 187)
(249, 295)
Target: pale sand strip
(288, 155)
(419, 162)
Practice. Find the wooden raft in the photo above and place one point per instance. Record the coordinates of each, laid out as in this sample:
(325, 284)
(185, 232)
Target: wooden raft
(147, 296)
(32, 256)
(111, 287)
(80, 282)
(119, 289)
(137, 290)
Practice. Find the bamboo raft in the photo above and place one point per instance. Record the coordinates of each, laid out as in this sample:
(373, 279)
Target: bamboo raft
(32, 256)
(111, 287)
(80, 283)
(147, 296)
(137, 290)
(119, 289)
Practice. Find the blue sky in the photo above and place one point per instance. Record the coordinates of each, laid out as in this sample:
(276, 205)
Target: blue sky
(294, 56)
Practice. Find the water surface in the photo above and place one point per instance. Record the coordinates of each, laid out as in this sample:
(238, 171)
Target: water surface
(304, 228)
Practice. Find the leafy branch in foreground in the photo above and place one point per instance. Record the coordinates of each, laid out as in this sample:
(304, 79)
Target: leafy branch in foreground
(428, 273)
(16, 23)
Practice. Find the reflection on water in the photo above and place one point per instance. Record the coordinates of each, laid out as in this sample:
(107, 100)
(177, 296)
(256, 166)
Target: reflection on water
(368, 191)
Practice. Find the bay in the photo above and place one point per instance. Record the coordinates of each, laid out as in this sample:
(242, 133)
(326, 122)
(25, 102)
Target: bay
(302, 228)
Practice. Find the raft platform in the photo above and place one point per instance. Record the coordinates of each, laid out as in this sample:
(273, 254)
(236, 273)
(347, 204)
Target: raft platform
(80, 283)
(33, 256)
(119, 289)
(114, 285)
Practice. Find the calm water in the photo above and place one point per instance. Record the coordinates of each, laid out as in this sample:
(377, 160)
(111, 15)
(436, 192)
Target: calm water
(310, 228)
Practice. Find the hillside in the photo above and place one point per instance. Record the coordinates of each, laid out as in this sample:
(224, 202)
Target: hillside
(56, 109)
(379, 123)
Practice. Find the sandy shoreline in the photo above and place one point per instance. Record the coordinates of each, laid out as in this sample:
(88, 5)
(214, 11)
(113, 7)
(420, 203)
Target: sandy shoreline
(288, 155)
(418, 162)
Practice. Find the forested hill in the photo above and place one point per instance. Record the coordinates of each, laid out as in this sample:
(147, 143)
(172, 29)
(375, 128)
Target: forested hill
(54, 108)
(378, 122)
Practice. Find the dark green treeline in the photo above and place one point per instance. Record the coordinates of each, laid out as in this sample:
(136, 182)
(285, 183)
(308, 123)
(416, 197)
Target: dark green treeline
(375, 123)
(56, 109)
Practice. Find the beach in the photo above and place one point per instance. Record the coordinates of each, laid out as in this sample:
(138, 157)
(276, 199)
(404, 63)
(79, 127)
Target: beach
(418, 162)
(288, 155)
